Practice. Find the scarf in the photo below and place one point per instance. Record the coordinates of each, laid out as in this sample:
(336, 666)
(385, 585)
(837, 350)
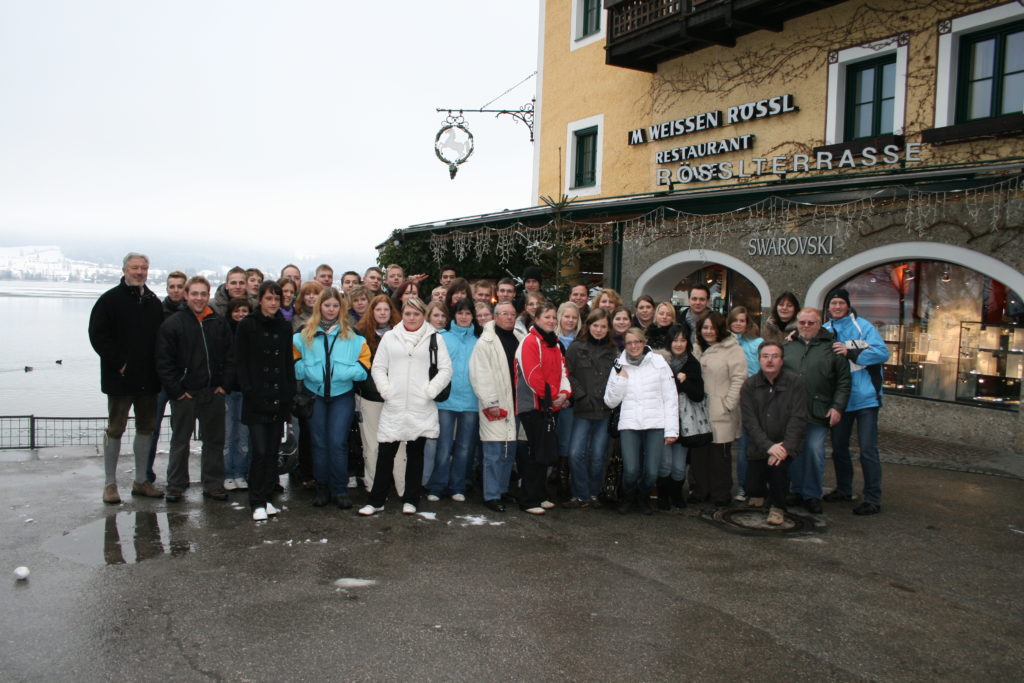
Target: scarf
(678, 362)
(550, 338)
(509, 343)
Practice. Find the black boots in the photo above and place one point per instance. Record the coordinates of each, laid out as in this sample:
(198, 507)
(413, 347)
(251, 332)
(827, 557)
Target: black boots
(676, 491)
(322, 497)
(665, 489)
(627, 503)
(643, 499)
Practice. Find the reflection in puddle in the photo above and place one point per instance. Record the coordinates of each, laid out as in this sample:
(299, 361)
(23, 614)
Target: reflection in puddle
(125, 538)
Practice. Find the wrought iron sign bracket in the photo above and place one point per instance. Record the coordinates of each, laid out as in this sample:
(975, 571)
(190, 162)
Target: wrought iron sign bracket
(524, 114)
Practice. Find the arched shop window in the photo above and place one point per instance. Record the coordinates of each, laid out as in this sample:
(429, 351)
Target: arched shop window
(953, 333)
(728, 289)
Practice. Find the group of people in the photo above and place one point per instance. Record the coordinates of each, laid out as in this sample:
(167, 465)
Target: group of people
(484, 385)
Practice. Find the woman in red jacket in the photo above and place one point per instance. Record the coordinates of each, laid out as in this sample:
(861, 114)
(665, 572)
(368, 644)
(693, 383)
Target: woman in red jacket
(542, 385)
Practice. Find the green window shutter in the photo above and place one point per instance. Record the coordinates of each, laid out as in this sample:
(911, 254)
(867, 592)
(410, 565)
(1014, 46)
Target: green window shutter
(870, 98)
(990, 73)
(585, 157)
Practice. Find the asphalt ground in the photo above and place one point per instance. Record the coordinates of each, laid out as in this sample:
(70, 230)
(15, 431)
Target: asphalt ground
(930, 589)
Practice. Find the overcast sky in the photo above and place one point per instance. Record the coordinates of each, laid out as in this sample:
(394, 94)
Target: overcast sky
(293, 125)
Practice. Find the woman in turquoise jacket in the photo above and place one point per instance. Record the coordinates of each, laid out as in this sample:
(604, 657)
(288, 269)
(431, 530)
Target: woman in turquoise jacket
(329, 359)
(458, 417)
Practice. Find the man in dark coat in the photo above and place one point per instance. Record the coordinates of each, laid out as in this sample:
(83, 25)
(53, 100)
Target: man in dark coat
(827, 375)
(191, 359)
(173, 302)
(774, 409)
(122, 330)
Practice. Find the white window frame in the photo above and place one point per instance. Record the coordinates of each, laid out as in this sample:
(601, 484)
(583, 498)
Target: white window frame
(949, 55)
(570, 157)
(835, 116)
(576, 26)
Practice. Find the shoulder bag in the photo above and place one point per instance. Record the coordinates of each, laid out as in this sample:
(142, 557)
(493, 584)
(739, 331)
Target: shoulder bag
(446, 392)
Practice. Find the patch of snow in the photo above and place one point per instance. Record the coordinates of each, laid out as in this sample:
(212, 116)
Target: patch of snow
(354, 583)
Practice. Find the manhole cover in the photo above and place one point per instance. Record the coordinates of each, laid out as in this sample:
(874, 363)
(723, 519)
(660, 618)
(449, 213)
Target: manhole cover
(753, 521)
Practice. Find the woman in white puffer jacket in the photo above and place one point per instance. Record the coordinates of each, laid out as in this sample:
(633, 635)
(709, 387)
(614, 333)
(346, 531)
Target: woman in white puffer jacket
(401, 372)
(641, 382)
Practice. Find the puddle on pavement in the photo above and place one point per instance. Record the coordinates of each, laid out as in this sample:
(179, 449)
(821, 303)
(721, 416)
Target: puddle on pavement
(125, 538)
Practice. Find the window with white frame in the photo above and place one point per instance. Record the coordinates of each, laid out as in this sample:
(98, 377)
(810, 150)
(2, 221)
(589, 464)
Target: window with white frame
(980, 66)
(584, 139)
(867, 87)
(587, 23)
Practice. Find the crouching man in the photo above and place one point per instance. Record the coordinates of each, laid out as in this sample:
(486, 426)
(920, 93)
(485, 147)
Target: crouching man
(774, 409)
(191, 359)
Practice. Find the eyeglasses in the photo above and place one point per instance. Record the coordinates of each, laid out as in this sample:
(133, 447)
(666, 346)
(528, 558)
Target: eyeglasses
(771, 356)
(806, 323)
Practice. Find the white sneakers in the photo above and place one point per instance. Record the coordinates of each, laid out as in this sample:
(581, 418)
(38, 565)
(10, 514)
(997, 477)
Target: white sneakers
(241, 484)
(368, 510)
(271, 510)
(433, 499)
(229, 485)
(353, 483)
(259, 515)
(457, 497)
(547, 505)
(534, 511)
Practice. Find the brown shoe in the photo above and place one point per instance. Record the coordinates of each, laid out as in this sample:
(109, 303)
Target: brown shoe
(216, 494)
(146, 489)
(110, 495)
(775, 516)
(755, 502)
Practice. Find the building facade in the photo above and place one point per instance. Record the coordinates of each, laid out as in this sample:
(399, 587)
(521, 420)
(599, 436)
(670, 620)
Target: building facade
(763, 146)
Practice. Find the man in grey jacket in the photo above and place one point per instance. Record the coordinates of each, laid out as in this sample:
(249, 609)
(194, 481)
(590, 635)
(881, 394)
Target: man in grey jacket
(827, 375)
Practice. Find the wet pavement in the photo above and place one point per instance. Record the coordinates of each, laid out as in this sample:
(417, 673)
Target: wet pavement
(932, 588)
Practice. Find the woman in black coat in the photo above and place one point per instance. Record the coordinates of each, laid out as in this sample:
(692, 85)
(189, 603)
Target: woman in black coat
(589, 359)
(690, 385)
(265, 371)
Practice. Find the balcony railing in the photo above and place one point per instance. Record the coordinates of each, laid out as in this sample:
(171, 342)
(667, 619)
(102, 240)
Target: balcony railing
(645, 33)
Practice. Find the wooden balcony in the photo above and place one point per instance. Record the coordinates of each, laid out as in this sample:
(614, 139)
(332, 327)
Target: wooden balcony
(645, 33)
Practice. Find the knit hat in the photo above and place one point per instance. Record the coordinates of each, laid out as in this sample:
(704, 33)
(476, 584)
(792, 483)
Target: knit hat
(533, 273)
(838, 293)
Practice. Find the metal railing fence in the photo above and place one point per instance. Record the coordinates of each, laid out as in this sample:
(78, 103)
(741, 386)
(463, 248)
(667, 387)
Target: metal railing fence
(32, 431)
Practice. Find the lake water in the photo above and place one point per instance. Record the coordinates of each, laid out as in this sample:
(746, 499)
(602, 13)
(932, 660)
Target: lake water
(47, 322)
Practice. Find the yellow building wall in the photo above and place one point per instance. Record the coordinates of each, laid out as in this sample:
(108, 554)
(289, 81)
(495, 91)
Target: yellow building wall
(578, 84)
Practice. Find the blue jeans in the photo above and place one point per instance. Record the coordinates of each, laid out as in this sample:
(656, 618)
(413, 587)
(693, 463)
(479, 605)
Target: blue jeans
(161, 406)
(328, 428)
(429, 457)
(499, 456)
(673, 462)
(236, 441)
(632, 441)
(455, 444)
(808, 468)
(587, 450)
(870, 462)
(563, 429)
(741, 456)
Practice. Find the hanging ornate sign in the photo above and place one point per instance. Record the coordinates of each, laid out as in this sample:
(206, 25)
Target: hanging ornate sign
(453, 144)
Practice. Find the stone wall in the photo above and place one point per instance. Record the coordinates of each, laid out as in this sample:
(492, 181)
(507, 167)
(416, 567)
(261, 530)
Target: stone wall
(954, 422)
